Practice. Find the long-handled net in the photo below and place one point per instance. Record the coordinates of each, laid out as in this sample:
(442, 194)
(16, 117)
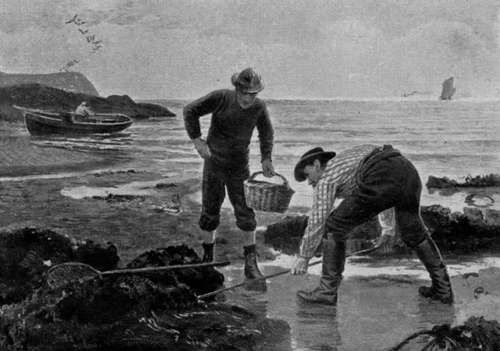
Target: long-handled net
(64, 273)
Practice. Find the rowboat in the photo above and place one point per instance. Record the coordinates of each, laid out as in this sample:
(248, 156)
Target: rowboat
(39, 122)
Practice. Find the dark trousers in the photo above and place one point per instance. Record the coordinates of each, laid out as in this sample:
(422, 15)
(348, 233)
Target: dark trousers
(386, 179)
(216, 179)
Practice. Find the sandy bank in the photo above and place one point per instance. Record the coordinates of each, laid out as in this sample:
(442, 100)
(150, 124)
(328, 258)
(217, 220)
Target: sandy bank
(20, 157)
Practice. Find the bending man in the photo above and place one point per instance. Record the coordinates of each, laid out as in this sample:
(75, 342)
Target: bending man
(370, 180)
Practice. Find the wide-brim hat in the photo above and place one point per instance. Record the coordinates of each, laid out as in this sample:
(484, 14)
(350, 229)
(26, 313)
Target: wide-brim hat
(315, 153)
(247, 81)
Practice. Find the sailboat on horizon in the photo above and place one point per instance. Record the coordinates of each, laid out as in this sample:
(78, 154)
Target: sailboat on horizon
(448, 89)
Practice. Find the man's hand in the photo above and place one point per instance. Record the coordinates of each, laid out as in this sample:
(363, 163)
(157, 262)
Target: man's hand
(300, 266)
(268, 168)
(202, 148)
(382, 240)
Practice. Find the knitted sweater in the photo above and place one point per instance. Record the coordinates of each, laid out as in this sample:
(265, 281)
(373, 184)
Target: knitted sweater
(231, 127)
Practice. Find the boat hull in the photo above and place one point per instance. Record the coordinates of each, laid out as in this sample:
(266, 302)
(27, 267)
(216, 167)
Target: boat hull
(43, 124)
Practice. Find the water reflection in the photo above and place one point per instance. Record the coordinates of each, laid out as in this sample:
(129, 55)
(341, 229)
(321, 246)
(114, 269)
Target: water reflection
(432, 313)
(316, 328)
(312, 327)
(278, 339)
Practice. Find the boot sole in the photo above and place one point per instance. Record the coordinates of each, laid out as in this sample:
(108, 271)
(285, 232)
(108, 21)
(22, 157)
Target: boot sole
(306, 300)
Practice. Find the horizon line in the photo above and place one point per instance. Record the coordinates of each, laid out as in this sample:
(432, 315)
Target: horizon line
(344, 98)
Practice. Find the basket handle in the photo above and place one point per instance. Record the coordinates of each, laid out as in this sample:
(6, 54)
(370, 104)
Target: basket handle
(285, 182)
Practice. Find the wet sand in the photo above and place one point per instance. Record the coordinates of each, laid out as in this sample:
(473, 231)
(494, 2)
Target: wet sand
(20, 156)
(135, 210)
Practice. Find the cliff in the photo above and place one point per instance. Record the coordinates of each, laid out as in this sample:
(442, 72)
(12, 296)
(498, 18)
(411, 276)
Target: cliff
(69, 81)
(58, 100)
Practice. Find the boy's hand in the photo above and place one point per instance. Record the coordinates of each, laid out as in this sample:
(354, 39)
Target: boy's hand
(202, 148)
(268, 168)
(300, 266)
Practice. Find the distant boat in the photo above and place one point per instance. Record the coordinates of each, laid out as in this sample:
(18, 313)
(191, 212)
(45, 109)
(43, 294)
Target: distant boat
(405, 94)
(448, 89)
(39, 122)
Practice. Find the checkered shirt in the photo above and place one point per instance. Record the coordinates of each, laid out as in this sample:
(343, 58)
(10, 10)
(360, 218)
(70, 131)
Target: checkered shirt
(338, 181)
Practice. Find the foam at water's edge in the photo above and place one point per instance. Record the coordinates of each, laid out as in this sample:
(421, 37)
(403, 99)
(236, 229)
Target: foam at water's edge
(133, 188)
(411, 267)
(53, 175)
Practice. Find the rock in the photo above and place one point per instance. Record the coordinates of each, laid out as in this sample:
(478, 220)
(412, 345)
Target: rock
(285, 235)
(461, 232)
(102, 258)
(26, 254)
(436, 216)
(455, 232)
(472, 182)
(473, 214)
(56, 100)
(120, 100)
(492, 217)
(476, 333)
(440, 183)
(154, 311)
(119, 197)
(200, 280)
(70, 81)
(165, 185)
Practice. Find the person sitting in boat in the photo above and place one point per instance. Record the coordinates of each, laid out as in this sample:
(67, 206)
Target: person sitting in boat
(84, 110)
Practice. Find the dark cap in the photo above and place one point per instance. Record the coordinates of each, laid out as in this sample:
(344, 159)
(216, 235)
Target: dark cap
(247, 81)
(308, 157)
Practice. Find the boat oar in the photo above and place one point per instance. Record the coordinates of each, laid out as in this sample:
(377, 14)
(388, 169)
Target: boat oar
(272, 275)
(64, 273)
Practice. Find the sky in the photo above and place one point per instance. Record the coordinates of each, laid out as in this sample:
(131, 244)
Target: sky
(151, 49)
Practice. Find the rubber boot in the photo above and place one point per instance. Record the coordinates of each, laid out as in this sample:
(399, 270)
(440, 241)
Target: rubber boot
(253, 276)
(208, 252)
(440, 289)
(331, 275)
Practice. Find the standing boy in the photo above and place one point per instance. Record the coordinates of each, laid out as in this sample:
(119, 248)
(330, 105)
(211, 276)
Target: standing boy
(235, 114)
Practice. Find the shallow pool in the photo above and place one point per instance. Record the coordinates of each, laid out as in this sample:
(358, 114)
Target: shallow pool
(378, 303)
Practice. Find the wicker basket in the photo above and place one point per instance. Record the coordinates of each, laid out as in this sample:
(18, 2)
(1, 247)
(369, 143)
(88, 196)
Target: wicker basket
(268, 197)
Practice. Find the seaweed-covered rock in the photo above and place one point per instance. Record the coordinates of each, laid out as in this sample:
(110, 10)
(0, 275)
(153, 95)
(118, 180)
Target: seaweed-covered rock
(474, 215)
(26, 254)
(200, 280)
(285, 235)
(476, 333)
(133, 312)
(100, 257)
(473, 182)
(492, 217)
(460, 232)
(456, 232)
(440, 183)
